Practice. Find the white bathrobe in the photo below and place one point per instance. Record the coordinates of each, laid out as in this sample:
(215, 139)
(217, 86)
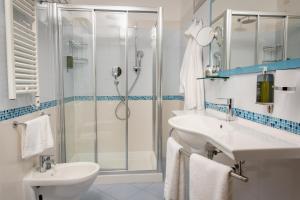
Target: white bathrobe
(192, 67)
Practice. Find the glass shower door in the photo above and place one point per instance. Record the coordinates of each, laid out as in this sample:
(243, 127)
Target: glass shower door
(141, 83)
(77, 69)
(111, 68)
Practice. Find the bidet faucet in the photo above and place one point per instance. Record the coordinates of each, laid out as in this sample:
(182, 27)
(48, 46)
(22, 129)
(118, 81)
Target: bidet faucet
(229, 112)
(46, 163)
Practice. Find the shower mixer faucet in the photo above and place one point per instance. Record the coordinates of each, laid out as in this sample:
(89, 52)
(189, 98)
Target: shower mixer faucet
(116, 72)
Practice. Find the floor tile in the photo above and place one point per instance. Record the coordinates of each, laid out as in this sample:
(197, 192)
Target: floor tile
(141, 185)
(95, 195)
(102, 187)
(156, 189)
(131, 191)
(122, 191)
(144, 195)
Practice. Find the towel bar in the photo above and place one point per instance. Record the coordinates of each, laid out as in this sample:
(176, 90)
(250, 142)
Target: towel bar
(236, 170)
(16, 123)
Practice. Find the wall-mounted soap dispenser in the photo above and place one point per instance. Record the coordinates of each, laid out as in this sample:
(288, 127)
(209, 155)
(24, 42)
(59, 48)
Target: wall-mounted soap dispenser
(265, 89)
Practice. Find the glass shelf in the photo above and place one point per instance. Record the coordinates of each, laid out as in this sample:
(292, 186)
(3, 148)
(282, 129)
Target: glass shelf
(213, 77)
(77, 44)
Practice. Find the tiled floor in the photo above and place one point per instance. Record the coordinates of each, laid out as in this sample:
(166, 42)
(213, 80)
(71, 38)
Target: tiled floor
(128, 191)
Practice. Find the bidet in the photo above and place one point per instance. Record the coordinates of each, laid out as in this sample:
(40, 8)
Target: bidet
(65, 181)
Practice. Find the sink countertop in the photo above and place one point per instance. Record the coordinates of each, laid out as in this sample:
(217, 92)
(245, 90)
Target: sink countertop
(240, 139)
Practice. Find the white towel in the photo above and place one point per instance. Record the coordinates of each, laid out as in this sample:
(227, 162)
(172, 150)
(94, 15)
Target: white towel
(173, 170)
(36, 136)
(191, 69)
(209, 180)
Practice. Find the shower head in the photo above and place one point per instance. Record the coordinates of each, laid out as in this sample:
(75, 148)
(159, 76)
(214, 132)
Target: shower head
(247, 20)
(139, 56)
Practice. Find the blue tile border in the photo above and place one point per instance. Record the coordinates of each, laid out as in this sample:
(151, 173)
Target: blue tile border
(283, 65)
(173, 97)
(17, 112)
(108, 98)
(83, 98)
(117, 98)
(282, 124)
(20, 111)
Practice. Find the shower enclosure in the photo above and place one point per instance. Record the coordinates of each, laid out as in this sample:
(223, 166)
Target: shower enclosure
(110, 62)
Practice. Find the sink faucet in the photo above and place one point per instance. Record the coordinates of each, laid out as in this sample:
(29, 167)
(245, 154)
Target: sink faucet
(46, 163)
(229, 105)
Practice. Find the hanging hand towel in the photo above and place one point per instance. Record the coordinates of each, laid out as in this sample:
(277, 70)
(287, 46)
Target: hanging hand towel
(209, 180)
(36, 137)
(173, 170)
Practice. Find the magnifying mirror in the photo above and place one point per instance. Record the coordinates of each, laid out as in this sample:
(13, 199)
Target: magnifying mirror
(207, 34)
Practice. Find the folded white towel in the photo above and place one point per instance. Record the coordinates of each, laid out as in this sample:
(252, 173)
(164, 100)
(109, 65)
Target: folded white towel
(173, 167)
(209, 180)
(36, 136)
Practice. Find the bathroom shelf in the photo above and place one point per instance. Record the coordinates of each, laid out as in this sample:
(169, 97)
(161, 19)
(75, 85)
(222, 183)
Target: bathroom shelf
(77, 44)
(272, 48)
(81, 60)
(213, 77)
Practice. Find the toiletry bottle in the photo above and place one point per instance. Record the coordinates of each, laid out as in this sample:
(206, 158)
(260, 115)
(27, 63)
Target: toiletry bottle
(265, 90)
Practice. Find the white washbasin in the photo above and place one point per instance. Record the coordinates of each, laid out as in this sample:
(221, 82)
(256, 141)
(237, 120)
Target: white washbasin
(65, 181)
(239, 139)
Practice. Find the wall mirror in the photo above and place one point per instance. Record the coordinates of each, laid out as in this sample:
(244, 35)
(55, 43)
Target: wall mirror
(254, 32)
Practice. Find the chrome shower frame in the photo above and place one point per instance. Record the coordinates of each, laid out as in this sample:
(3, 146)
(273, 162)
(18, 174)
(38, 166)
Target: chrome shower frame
(157, 79)
(227, 21)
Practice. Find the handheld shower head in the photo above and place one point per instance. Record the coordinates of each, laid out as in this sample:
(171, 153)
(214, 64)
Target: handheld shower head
(139, 56)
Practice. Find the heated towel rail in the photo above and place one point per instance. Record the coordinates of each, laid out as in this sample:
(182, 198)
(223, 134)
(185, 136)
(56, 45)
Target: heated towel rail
(21, 45)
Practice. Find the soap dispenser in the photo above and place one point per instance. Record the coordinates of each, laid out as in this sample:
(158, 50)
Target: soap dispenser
(265, 87)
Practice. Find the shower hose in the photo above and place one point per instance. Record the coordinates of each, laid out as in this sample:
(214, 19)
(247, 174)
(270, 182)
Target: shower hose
(122, 98)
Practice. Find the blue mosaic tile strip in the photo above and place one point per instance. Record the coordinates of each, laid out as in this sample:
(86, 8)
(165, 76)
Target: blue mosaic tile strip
(83, 98)
(108, 98)
(68, 99)
(17, 112)
(283, 65)
(48, 104)
(140, 98)
(117, 98)
(218, 107)
(282, 124)
(172, 98)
